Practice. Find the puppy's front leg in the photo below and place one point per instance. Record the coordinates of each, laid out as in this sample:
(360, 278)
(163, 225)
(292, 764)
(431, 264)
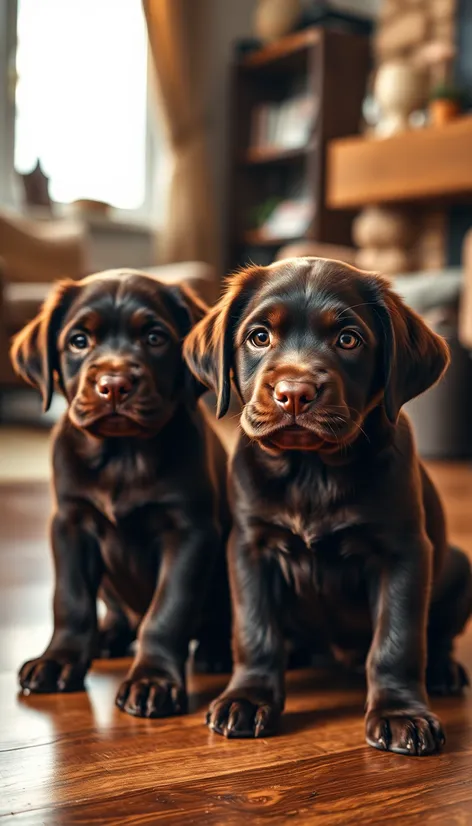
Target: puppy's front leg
(398, 718)
(254, 698)
(155, 684)
(78, 570)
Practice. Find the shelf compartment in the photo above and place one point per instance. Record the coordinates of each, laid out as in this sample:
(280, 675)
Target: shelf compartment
(291, 47)
(256, 238)
(273, 155)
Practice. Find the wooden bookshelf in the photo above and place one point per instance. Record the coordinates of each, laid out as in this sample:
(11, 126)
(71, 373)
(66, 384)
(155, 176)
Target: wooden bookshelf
(330, 68)
(288, 47)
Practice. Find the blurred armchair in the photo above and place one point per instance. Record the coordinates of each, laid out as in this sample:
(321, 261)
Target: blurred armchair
(33, 254)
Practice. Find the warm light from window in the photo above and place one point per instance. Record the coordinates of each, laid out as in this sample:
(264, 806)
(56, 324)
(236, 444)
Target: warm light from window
(82, 96)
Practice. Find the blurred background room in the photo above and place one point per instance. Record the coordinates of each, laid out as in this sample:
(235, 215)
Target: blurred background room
(194, 137)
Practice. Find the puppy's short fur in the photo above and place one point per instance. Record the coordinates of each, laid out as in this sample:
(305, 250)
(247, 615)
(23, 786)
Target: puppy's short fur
(339, 534)
(139, 484)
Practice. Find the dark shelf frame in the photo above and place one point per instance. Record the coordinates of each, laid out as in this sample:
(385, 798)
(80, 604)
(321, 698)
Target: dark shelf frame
(335, 67)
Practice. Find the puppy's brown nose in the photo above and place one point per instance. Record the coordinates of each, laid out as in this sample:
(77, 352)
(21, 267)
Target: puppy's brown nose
(294, 396)
(115, 389)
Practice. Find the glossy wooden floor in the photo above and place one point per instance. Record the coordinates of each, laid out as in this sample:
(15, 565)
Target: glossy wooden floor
(77, 760)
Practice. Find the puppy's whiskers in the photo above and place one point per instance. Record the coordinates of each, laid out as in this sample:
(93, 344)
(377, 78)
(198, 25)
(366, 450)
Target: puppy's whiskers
(354, 307)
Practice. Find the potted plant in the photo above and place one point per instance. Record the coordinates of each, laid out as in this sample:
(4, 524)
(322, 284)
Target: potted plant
(445, 104)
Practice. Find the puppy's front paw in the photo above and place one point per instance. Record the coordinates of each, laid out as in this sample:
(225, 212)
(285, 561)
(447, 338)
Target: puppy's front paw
(151, 696)
(405, 731)
(243, 714)
(49, 675)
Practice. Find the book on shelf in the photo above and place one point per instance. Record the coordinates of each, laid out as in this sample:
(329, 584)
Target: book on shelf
(291, 218)
(287, 124)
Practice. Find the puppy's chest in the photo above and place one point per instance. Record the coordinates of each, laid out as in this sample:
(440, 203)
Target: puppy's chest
(319, 553)
(121, 488)
(316, 523)
(294, 531)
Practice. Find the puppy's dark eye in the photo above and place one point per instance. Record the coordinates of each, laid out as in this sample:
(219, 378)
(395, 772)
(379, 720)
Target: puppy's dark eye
(79, 341)
(348, 340)
(260, 338)
(156, 338)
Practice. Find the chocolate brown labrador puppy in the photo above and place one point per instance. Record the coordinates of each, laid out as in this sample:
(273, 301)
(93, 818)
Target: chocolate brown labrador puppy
(139, 481)
(339, 534)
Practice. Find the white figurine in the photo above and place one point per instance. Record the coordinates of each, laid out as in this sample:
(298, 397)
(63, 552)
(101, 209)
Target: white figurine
(398, 91)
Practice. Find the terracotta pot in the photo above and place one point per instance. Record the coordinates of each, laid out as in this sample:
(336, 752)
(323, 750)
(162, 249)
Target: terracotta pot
(275, 18)
(443, 110)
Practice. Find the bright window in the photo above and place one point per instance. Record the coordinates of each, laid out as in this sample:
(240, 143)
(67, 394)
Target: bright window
(81, 100)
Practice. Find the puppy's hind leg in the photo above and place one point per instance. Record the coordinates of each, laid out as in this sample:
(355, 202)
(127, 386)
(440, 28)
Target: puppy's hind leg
(451, 607)
(116, 633)
(213, 651)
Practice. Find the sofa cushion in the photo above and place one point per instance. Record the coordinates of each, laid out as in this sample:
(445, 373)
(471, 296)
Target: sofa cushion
(40, 251)
(426, 291)
(21, 302)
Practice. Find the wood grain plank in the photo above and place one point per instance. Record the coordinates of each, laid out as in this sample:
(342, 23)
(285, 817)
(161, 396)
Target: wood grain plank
(76, 759)
(333, 789)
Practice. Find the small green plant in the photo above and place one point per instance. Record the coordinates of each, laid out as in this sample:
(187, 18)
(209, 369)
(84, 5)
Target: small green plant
(447, 91)
(259, 214)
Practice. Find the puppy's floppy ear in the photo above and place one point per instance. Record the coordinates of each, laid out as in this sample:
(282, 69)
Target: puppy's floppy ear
(34, 349)
(208, 349)
(187, 307)
(414, 357)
